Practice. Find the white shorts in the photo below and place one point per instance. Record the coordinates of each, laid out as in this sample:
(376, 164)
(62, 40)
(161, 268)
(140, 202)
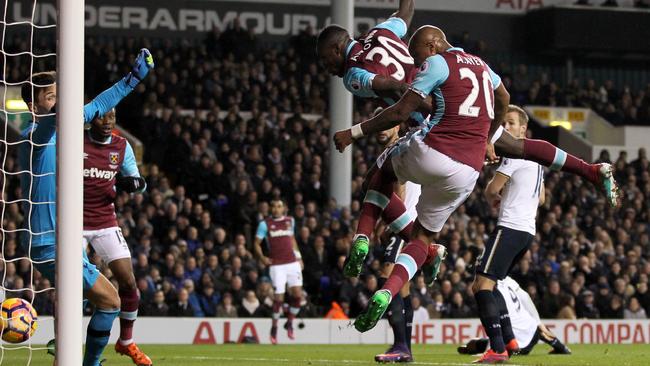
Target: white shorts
(283, 275)
(108, 243)
(446, 183)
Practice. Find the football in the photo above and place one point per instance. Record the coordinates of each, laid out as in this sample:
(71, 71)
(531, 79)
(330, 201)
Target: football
(18, 319)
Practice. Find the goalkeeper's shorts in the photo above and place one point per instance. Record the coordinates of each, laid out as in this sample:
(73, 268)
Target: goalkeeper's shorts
(44, 257)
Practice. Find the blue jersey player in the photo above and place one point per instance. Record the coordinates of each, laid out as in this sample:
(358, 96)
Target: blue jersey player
(39, 158)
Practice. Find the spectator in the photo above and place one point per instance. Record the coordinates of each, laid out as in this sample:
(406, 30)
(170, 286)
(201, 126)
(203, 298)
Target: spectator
(567, 308)
(634, 310)
(420, 314)
(181, 307)
(226, 309)
(458, 309)
(158, 307)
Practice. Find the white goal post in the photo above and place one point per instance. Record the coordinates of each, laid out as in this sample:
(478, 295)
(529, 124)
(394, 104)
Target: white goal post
(70, 98)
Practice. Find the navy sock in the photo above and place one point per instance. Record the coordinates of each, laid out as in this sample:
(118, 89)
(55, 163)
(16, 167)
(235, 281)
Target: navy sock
(397, 321)
(99, 330)
(504, 317)
(408, 317)
(489, 314)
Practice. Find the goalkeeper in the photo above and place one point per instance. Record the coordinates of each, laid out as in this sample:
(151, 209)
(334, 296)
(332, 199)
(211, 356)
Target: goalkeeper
(37, 155)
(109, 162)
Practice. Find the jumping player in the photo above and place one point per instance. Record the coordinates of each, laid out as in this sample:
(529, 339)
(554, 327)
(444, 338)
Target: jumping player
(527, 327)
(37, 154)
(109, 162)
(445, 157)
(284, 264)
(400, 313)
(377, 66)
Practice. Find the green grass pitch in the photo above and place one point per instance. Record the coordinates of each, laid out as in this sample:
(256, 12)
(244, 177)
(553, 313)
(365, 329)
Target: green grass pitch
(317, 355)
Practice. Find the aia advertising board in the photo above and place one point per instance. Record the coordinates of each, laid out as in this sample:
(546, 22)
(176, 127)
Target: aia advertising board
(323, 331)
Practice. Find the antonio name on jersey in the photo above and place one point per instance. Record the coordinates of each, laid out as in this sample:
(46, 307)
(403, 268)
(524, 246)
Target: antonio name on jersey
(100, 174)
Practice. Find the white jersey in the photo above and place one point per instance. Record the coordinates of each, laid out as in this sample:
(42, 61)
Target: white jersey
(523, 314)
(520, 196)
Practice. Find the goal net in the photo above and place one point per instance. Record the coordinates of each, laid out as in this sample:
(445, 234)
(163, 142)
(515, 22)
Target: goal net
(28, 46)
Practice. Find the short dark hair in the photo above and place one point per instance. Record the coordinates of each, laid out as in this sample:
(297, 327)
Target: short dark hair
(332, 34)
(40, 81)
(523, 116)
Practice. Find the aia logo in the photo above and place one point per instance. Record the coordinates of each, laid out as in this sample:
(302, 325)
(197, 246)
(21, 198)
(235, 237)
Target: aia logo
(114, 157)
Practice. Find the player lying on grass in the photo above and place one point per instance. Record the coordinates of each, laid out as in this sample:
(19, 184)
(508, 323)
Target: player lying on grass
(37, 155)
(526, 327)
(109, 162)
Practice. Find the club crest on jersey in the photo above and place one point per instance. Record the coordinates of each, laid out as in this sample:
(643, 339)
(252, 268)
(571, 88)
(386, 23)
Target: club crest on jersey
(425, 66)
(114, 157)
(355, 84)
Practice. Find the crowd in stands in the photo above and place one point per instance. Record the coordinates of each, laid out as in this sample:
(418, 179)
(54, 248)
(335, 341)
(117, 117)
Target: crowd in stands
(211, 171)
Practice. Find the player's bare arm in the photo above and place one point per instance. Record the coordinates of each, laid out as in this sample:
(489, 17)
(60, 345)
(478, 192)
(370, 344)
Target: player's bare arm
(382, 84)
(493, 189)
(542, 195)
(405, 11)
(501, 102)
(388, 118)
(259, 254)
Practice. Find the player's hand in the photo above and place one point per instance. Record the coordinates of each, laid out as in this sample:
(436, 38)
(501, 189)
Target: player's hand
(266, 261)
(494, 201)
(143, 63)
(490, 155)
(342, 139)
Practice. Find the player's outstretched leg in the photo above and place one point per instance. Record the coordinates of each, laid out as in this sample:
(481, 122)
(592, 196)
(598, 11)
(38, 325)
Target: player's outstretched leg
(489, 313)
(378, 198)
(399, 350)
(506, 326)
(107, 302)
(408, 262)
(130, 300)
(551, 156)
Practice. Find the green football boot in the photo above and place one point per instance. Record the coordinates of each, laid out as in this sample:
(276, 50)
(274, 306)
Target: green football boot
(376, 308)
(358, 253)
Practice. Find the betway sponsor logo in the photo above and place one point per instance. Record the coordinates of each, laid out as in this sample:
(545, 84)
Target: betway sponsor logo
(98, 173)
(276, 233)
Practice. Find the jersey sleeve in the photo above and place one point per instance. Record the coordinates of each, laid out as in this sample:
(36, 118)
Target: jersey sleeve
(396, 25)
(262, 230)
(359, 82)
(129, 166)
(433, 73)
(106, 101)
(43, 131)
(496, 79)
(507, 167)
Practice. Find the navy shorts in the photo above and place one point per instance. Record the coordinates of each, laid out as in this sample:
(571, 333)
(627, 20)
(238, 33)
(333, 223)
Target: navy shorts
(392, 248)
(504, 248)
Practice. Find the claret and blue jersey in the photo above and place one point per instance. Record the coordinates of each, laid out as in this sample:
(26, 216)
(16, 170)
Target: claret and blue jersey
(382, 52)
(462, 88)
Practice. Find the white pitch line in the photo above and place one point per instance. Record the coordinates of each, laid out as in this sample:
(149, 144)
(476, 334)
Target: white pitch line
(260, 359)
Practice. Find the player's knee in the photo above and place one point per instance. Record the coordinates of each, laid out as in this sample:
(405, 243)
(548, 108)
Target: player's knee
(127, 284)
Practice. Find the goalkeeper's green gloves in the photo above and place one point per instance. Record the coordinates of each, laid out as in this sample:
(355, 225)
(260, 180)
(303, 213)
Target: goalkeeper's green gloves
(143, 63)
